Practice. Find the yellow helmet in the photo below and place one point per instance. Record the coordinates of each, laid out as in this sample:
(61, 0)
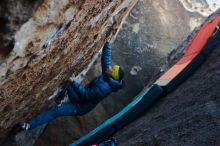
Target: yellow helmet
(117, 72)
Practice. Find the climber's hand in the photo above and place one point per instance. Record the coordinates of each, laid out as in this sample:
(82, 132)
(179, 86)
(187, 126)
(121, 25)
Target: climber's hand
(69, 80)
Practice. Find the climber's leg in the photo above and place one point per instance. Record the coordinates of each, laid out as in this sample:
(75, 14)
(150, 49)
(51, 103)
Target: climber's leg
(65, 109)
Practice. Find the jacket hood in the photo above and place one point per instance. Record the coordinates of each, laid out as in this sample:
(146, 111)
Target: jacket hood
(115, 84)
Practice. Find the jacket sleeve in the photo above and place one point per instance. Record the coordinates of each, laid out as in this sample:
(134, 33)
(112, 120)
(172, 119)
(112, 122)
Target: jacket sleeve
(116, 84)
(106, 57)
(80, 90)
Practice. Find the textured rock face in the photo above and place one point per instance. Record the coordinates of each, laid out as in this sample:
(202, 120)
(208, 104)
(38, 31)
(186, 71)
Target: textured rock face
(12, 15)
(59, 39)
(148, 35)
(204, 7)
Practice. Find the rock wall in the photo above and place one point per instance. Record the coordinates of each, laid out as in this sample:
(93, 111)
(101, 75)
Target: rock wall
(150, 32)
(144, 47)
(203, 7)
(13, 14)
(58, 40)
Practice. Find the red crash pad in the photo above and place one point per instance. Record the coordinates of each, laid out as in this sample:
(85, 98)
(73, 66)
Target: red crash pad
(193, 48)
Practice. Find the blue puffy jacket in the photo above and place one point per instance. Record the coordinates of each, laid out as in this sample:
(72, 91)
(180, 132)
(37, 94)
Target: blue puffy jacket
(86, 98)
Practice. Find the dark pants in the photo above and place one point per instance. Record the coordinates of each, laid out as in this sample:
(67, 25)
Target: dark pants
(65, 109)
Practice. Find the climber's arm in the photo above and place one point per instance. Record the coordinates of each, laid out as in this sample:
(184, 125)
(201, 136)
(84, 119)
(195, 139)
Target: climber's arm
(106, 57)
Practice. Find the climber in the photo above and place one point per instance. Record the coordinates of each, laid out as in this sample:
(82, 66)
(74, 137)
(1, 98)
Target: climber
(76, 99)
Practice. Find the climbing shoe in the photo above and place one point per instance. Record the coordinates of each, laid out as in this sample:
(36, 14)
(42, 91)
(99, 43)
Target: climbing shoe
(60, 96)
(24, 125)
